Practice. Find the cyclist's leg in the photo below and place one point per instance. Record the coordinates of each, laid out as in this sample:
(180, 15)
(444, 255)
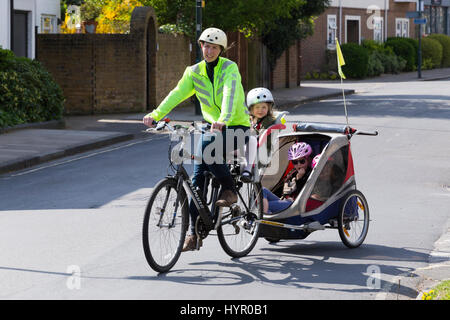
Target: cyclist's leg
(198, 180)
(250, 154)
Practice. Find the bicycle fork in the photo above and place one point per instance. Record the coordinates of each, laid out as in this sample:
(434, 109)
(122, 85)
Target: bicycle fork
(175, 209)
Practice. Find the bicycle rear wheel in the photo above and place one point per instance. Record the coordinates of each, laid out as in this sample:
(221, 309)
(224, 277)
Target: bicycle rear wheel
(239, 236)
(165, 223)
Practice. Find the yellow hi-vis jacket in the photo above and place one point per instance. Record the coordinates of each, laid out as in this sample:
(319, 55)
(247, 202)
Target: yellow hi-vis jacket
(223, 101)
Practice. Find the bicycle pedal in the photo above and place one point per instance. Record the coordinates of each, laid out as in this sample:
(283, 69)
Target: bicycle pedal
(236, 227)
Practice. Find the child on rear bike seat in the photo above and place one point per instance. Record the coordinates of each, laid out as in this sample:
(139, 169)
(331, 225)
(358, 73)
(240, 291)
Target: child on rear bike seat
(260, 103)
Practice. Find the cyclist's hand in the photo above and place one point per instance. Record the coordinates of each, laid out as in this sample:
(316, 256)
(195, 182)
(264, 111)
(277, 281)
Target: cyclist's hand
(149, 121)
(217, 126)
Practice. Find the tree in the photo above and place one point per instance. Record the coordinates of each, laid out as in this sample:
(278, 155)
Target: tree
(116, 14)
(282, 34)
(249, 16)
(278, 23)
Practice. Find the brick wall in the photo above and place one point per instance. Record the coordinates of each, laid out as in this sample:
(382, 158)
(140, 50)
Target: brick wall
(398, 10)
(285, 73)
(173, 56)
(109, 73)
(313, 47)
(98, 73)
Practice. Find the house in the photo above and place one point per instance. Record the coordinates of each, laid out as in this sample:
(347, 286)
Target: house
(437, 13)
(21, 19)
(355, 21)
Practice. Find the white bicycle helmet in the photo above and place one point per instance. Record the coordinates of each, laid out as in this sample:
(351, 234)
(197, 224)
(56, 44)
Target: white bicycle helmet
(215, 36)
(258, 95)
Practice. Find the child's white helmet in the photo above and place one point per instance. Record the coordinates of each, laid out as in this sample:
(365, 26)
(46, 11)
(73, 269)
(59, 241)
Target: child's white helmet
(215, 36)
(258, 95)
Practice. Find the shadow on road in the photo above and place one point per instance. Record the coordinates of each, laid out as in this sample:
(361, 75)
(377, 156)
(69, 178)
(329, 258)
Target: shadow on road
(324, 266)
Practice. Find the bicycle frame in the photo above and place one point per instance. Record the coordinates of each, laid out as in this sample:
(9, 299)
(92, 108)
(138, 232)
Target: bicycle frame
(183, 180)
(201, 205)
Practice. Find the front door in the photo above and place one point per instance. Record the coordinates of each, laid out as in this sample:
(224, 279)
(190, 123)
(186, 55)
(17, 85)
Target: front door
(353, 31)
(20, 38)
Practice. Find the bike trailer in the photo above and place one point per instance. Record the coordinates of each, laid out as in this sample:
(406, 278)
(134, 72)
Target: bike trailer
(330, 180)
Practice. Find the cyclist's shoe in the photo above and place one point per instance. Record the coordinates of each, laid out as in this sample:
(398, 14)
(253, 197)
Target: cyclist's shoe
(190, 243)
(246, 176)
(226, 199)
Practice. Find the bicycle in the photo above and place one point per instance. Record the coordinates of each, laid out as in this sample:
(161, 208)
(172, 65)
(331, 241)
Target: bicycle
(166, 218)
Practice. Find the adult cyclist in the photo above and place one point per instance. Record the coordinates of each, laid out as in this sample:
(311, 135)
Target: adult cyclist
(216, 82)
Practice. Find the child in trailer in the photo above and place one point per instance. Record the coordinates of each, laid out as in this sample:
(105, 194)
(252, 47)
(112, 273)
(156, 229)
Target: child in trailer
(260, 103)
(329, 181)
(300, 156)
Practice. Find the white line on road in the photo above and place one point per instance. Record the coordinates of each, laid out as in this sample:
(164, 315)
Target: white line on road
(84, 157)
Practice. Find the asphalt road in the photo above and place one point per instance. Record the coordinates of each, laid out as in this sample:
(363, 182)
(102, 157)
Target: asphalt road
(71, 229)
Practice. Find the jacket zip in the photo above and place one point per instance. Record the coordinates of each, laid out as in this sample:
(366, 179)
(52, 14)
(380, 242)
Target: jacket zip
(213, 93)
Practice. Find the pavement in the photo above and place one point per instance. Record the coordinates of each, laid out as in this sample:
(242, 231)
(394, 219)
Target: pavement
(25, 146)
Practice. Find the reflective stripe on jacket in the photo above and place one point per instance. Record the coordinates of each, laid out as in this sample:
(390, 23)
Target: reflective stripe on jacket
(222, 102)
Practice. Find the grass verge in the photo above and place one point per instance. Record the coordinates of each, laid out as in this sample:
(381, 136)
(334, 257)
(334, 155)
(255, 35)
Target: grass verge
(440, 292)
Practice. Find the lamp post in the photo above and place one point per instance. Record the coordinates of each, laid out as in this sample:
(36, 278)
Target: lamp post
(198, 52)
(11, 31)
(419, 50)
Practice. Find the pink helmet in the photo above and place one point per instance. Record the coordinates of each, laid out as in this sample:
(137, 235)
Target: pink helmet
(299, 150)
(315, 160)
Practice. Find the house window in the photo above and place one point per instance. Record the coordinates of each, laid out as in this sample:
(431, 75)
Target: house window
(331, 31)
(48, 24)
(378, 34)
(402, 27)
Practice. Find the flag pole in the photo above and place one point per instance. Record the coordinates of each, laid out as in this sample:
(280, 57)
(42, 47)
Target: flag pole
(345, 104)
(340, 63)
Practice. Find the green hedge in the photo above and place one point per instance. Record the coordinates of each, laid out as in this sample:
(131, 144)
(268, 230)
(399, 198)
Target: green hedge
(432, 49)
(403, 47)
(356, 60)
(382, 59)
(28, 92)
(444, 40)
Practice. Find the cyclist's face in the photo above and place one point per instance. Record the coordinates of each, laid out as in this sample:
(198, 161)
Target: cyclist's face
(210, 51)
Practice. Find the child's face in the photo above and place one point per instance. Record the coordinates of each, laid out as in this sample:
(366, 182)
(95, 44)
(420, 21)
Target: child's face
(260, 110)
(300, 163)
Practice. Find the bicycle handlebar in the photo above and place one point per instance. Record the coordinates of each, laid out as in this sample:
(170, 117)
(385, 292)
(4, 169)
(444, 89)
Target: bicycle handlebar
(366, 133)
(331, 128)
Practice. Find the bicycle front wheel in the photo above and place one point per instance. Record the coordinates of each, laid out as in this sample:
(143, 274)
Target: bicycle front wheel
(166, 220)
(239, 231)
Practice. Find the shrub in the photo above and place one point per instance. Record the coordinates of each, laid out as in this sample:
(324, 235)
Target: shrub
(372, 45)
(375, 66)
(384, 55)
(427, 64)
(356, 60)
(393, 64)
(28, 93)
(444, 40)
(415, 44)
(404, 48)
(432, 49)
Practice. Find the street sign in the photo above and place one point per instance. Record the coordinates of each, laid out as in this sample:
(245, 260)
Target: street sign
(420, 21)
(412, 14)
